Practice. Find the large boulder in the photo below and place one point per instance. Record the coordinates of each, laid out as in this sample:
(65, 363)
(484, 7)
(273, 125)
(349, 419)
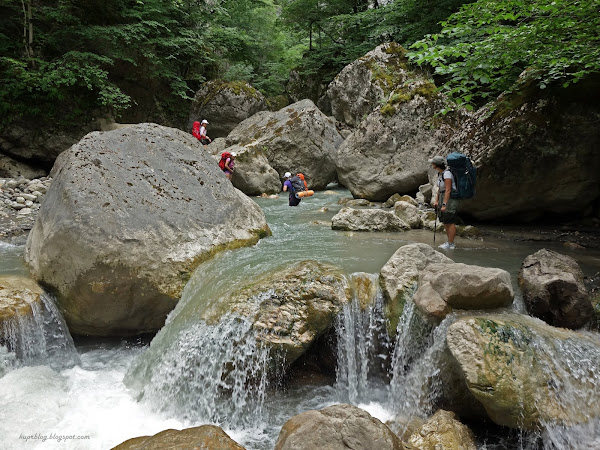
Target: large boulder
(465, 286)
(409, 214)
(350, 219)
(128, 217)
(203, 437)
(388, 152)
(225, 105)
(400, 275)
(536, 154)
(336, 427)
(526, 373)
(363, 84)
(305, 86)
(443, 431)
(253, 175)
(297, 138)
(553, 289)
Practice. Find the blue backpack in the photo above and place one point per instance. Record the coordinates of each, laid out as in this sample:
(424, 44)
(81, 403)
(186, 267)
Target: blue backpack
(465, 175)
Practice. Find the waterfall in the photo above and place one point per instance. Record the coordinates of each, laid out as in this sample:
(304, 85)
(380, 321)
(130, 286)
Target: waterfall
(362, 341)
(39, 338)
(212, 373)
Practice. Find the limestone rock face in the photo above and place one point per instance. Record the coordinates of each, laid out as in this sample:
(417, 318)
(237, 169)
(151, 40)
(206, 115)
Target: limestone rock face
(203, 437)
(336, 427)
(253, 175)
(129, 215)
(297, 138)
(399, 277)
(225, 105)
(301, 87)
(525, 372)
(289, 309)
(465, 286)
(553, 289)
(522, 144)
(360, 87)
(443, 431)
(350, 219)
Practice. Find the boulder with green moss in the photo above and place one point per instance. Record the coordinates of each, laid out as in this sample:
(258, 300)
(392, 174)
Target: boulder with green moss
(389, 150)
(524, 372)
(129, 215)
(225, 104)
(297, 138)
(536, 152)
(400, 275)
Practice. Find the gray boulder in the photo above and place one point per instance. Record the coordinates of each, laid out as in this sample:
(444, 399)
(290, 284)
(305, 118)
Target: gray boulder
(553, 289)
(443, 431)
(225, 105)
(362, 85)
(400, 275)
(128, 217)
(253, 175)
(297, 138)
(408, 213)
(389, 150)
(336, 427)
(350, 219)
(300, 87)
(526, 373)
(524, 142)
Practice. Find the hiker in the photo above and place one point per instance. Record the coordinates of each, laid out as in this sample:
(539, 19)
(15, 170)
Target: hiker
(199, 132)
(445, 206)
(227, 163)
(288, 187)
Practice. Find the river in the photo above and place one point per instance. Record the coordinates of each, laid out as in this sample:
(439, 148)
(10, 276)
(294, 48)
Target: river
(90, 400)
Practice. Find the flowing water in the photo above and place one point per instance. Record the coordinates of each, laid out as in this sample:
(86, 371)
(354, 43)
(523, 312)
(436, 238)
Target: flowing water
(195, 372)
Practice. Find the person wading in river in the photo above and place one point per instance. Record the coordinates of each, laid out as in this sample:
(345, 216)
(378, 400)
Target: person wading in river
(445, 206)
(287, 187)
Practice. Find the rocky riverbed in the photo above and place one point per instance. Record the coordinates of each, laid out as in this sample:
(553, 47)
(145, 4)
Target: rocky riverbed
(20, 200)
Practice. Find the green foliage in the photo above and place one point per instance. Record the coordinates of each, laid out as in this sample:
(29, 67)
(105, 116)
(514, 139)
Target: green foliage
(482, 49)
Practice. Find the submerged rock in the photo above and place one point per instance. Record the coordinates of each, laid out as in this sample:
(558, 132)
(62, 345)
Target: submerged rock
(349, 219)
(225, 105)
(128, 217)
(526, 373)
(399, 277)
(443, 431)
(334, 428)
(297, 138)
(203, 437)
(553, 289)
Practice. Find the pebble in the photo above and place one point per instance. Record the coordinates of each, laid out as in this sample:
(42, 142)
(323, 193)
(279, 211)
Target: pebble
(29, 197)
(25, 212)
(28, 203)
(20, 199)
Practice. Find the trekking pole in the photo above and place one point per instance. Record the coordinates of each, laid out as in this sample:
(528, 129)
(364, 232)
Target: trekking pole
(435, 226)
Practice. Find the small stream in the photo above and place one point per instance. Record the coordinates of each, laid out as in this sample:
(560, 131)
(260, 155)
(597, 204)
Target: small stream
(101, 392)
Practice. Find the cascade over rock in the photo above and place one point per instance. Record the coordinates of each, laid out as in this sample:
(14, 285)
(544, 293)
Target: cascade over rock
(288, 310)
(334, 428)
(526, 373)
(17, 294)
(536, 154)
(367, 220)
(297, 138)
(389, 150)
(253, 175)
(225, 105)
(128, 217)
(203, 437)
(399, 277)
(443, 431)
(553, 289)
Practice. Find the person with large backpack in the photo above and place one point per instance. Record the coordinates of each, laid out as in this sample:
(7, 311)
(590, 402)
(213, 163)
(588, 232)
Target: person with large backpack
(294, 185)
(227, 163)
(445, 204)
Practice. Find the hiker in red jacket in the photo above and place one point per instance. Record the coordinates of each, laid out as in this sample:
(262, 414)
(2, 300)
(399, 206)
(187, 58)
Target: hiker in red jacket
(199, 132)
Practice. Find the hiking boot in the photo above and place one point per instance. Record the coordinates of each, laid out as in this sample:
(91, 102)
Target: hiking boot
(448, 246)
